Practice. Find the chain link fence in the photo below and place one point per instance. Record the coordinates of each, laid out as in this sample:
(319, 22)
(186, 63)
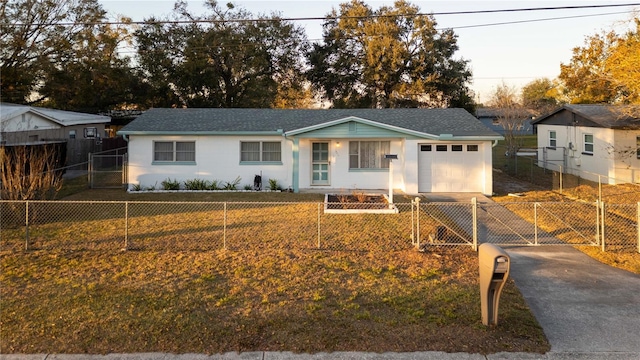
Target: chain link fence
(262, 226)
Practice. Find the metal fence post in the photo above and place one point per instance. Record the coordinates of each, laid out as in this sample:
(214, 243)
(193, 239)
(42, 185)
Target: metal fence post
(413, 223)
(602, 223)
(224, 227)
(90, 170)
(600, 187)
(560, 166)
(26, 226)
(474, 214)
(598, 237)
(126, 225)
(535, 223)
(418, 223)
(319, 211)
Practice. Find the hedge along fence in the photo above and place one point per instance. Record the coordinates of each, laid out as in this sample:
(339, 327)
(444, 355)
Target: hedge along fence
(202, 226)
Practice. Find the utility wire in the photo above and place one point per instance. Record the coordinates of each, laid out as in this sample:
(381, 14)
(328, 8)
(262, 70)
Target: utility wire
(535, 20)
(213, 21)
(238, 44)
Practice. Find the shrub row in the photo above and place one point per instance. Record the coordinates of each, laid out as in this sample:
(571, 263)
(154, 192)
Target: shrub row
(203, 184)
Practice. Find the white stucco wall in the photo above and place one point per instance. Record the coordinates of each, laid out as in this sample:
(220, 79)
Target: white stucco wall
(626, 167)
(341, 177)
(217, 158)
(605, 161)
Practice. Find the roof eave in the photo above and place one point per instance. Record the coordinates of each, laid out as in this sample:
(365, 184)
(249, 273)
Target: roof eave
(192, 133)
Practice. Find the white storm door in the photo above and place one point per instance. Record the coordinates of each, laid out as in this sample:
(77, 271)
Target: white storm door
(320, 163)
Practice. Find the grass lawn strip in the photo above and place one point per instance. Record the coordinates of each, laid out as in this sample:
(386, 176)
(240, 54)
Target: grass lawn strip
(277, 300)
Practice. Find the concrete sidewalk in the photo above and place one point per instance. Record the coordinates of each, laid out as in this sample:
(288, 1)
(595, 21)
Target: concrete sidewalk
(431, 355)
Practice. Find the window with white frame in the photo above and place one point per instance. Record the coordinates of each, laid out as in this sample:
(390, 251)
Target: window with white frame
(72, 134)
(260, 151)
(552, 139)
(588, 144)
(368, 154)
(174, 151)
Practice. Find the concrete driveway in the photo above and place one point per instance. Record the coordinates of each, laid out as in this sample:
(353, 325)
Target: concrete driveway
(583, 306)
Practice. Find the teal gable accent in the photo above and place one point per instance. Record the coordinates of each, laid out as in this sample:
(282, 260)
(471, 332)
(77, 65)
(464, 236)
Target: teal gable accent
(352, 129)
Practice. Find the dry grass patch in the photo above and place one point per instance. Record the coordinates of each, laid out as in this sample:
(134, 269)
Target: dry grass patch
(272, 300)
(575, 210)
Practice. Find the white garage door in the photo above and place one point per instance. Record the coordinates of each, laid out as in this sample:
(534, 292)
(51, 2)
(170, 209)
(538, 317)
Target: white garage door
(450, 168)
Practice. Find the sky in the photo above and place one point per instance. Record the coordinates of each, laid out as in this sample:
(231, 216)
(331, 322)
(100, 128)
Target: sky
(514, 54)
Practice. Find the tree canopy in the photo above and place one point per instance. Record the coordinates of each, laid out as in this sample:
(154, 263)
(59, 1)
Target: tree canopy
(389, 57)
(60, 53)
(541, 95)
(605, 69)
(222, 63)
(512, 115)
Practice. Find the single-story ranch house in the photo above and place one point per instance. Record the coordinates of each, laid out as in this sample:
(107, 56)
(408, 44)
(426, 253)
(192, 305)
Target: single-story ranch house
(438, 150)
(594, 142)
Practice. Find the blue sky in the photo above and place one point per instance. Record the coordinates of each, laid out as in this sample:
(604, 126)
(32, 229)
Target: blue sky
(514, 54)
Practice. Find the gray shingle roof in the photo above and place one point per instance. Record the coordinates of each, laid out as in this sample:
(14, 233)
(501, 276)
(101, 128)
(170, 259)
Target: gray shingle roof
(607, 116)
(457, 122)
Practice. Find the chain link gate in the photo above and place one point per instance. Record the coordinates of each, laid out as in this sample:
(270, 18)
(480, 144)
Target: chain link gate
(107, 171)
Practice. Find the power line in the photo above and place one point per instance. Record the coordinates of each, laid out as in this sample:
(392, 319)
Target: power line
(235, 44)
(317, 18)
(535, 20)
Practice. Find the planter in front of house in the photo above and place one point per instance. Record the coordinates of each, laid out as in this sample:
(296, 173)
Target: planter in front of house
(358, 204)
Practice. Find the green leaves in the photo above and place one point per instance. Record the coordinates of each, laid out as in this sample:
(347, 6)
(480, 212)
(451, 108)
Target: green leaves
(605, 69)
(390, 57)
(222, 62)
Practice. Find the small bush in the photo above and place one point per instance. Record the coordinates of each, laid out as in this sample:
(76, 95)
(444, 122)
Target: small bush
(214, 185)
(169, 184)
(232, 185)
(273, 184)
(136, 187)
(359, 196)
(197, 184)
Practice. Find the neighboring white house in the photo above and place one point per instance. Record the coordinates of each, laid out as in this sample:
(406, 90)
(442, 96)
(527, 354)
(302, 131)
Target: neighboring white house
(592, 140)
(438, 150)
(23, 124)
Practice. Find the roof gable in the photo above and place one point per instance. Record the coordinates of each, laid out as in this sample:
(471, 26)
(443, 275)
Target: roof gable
(594, 115)
(353, 127)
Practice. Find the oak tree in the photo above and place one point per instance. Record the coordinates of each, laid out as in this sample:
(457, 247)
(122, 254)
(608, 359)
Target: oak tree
(61, 53)
(390, 57)
(605, 69)
(541, 95)
(225, 58)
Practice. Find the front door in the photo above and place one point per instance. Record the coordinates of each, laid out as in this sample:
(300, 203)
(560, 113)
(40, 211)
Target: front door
(320, 163)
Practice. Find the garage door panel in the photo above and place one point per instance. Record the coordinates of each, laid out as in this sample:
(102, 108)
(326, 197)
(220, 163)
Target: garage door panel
(450, 171)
